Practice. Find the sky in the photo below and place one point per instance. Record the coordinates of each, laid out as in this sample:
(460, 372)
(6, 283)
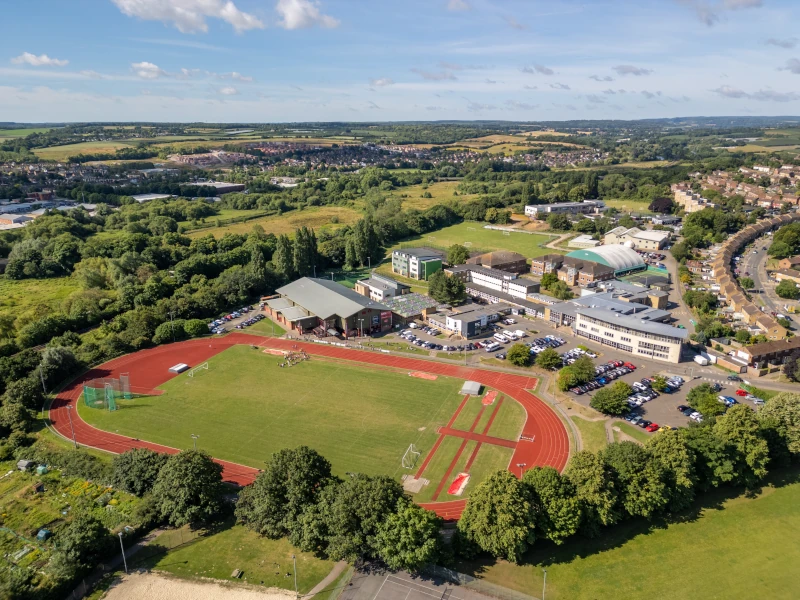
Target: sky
(396, 60)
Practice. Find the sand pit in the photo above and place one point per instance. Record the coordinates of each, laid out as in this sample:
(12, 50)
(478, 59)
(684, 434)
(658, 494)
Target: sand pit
(153, 586)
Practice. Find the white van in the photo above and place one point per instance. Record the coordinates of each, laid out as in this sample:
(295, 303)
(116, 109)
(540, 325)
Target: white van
(492, 347)
(500, 338)
(510, 335)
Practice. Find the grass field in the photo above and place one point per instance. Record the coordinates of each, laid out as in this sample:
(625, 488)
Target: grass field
(724, 547)
(441, 192)
(18, 133)
(264, 561)
(317, 218)
(527, 244)
(228, 213)
(635, 432)
(19, 295)
(245, 407)
(593, 433)
(63, 152)
(629, 206)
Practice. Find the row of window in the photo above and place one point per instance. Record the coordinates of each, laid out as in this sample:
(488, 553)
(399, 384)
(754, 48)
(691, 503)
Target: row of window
(644, 334)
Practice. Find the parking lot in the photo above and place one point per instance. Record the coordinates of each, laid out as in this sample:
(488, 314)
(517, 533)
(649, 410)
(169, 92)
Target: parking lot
(238, 319)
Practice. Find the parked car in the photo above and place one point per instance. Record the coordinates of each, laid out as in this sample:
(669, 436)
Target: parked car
(734, 378)
(741, 392)
(652, 427)
(644, 423)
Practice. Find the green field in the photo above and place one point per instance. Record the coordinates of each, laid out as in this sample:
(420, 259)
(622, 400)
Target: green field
(246, 407)
(629, 206)
(19, 295)
(63, 152)
(18, 133)
(527, 244)
(263, 561)
(740, 547)
(593, 433)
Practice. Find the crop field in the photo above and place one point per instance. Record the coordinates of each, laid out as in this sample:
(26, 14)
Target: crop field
(245, 407)
(63, 152)
(18, 133)
(747, 546)
(527, 244)
(316, 218)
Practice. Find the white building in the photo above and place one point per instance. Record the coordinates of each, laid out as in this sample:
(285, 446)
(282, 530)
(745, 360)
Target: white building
(637, 238)
(583, 208)
(495, 280)
(630, 333)
(583, 241)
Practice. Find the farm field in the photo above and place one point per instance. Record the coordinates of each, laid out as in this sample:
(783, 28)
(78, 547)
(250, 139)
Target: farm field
(61, 153)
(747, 546)
(316, 218)
(245, 407)
(441, 192)
(483, 239)
(629, 206)
(19, 295)
(18, 133)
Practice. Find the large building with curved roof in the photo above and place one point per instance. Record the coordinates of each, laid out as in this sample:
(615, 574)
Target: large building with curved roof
(618, 257)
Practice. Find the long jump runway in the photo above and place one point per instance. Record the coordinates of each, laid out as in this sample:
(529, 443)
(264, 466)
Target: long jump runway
(543, 442)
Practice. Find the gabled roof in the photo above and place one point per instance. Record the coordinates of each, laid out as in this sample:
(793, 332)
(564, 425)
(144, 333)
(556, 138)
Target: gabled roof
(325, 298)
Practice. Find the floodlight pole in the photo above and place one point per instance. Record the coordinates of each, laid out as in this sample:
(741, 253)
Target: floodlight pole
(69, 415)
(521, 466)
(124, 561)
(544, 583)
(194, 440)
(294, 562)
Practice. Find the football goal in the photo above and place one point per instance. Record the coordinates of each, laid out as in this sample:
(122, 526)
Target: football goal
(410, 457)
(203, 367)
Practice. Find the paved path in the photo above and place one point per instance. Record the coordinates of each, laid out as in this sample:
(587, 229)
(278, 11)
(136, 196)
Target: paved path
(150, 368)
(337, 570)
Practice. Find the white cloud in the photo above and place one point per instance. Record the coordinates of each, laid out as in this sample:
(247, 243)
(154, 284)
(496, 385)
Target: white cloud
(381, 82)
(793, 66)
(559, 86)
(92, 74)
(489, 81)
(26, 58)
(435, 76)
(541, 69)
(709, 12)
(229, 91)
(727, 91)
(479, 107)
(601, 78)
(189, 16)
(514, 24)
(514, 105)
(458, 5)
(147, 70)
(236, 76)
(301, 14)
(773, 96)
(631, 70)
(787, 43)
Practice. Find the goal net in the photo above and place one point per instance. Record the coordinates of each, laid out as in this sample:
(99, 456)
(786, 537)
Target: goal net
(410, 457)
(104, 392)
(203, 367)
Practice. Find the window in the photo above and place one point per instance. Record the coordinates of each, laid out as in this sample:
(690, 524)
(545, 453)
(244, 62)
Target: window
(624, 339)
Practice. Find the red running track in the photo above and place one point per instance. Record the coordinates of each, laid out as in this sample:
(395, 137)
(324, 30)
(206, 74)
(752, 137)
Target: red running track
(149, 369)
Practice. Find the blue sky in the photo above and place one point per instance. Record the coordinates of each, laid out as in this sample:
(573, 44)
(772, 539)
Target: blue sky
(377, 60)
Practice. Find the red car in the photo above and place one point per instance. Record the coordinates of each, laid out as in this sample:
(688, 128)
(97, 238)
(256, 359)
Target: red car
(741, 392)
(630, 366)
(652, 427)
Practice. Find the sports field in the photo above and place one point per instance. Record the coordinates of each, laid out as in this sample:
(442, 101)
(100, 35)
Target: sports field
(245, 407)
(474, 234)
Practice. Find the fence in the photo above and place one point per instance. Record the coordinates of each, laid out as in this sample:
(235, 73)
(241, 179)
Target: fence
(477, 585)
(104, 392)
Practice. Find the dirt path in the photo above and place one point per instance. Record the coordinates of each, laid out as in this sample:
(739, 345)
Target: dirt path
(154, 586)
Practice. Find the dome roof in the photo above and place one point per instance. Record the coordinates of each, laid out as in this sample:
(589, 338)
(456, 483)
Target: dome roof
(616, 256)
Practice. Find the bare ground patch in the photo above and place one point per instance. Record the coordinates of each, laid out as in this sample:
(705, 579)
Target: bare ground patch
(154, 586)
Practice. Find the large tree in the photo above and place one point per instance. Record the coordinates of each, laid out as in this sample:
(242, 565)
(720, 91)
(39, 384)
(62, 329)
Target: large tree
(499, 517)
(457, 254)
(640, 478)
(595, 491)
(84, 540)
(612, 400)
(549, 359)
(447, 290)
(290, 481)
(136, 471)
(558, 510)
(283, 258)
(738, 429)
(409, 538)
(189, 488)
(784, 409)
(671, 450)
(787, 289)
(583, 369)
(519, 355)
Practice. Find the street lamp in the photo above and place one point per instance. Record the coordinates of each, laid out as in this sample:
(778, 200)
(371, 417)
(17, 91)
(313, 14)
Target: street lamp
(72, 429)
(194, 440)
(521, 466)
(294, 562)
(544, 584)
(124, 561)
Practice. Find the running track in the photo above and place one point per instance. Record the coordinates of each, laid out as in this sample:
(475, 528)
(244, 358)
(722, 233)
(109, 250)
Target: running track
(149, 369)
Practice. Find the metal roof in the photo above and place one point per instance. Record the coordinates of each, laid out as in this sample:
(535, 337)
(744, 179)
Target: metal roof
(634, 322)
(616, 256)
(325, 298)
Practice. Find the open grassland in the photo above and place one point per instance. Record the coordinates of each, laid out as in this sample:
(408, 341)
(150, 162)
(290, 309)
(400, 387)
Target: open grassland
(246, 407)
(630, 430)
(227, 213)
(316, 218)
(17, 296)
(593, 433)
(441, 192)
(474, 234)
(61, 153)
(215, 555)
(630, 206)
(18, 133)
(724, 547)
